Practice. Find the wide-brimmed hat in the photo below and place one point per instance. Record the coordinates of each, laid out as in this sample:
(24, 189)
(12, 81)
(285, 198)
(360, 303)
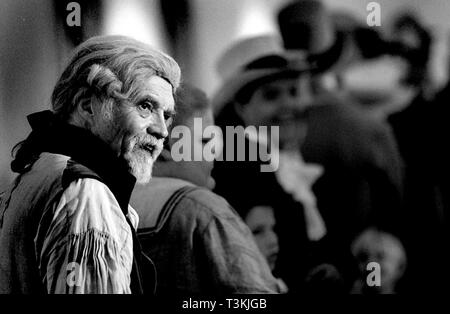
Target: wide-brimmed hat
(252, 59)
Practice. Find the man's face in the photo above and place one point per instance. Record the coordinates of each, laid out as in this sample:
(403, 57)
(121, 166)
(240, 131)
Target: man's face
(136, 130)
(281, 102)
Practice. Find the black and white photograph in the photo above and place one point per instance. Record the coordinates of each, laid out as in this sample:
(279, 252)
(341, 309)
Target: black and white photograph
(215, 153)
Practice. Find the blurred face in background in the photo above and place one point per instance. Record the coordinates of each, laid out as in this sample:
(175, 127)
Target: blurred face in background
(384, 249)
(379, 83)
(280, 102)
(261, 221)
(197, 172)
(201, 170)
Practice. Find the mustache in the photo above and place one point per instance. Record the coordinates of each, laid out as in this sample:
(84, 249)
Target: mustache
(149, 143)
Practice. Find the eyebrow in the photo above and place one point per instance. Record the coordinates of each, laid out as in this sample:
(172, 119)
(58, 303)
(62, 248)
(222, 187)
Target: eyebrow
(157, 103)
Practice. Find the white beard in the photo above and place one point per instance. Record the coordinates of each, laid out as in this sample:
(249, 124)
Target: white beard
(141, 160)
(141, 165)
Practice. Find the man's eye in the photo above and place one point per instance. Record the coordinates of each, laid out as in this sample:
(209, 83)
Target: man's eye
(146, 106)
(168, 116)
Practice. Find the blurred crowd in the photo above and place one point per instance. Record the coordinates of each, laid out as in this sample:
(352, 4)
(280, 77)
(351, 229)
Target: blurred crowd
(362, 174)
(359, 201)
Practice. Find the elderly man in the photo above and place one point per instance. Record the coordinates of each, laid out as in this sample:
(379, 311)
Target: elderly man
(65, 222)
(197, 241)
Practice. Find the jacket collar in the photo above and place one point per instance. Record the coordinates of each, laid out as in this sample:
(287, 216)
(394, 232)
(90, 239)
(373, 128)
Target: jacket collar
(54, 136)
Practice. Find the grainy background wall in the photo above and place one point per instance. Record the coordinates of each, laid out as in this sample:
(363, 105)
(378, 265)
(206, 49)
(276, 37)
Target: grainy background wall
(33, 48)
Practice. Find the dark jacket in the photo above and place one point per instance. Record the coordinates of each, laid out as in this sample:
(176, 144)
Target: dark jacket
(68, 211)
(422, 132)
(198, 243)
(363, 179)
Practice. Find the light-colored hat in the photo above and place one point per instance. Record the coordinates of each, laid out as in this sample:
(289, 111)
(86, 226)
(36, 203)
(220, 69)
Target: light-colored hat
(252, 59)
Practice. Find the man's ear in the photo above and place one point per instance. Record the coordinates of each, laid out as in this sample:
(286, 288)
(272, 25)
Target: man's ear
(85, 109)
(83, 115)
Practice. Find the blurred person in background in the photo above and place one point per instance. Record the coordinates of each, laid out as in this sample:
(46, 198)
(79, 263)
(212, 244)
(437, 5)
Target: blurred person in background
(415, 42)
(421, 132)
(259, 213)
(65, 222)
(261, 221)
(361, 185)
(263, 86)
(375, 246)
(197, 241)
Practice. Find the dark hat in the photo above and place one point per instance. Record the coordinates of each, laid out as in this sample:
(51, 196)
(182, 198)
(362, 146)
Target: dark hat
(307, 26)
(252, 59)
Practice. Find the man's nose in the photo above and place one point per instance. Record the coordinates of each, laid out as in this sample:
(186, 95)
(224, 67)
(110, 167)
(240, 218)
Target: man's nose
(158, 126)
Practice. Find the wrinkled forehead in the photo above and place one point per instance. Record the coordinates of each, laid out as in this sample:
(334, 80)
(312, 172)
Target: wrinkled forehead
(155, 87)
